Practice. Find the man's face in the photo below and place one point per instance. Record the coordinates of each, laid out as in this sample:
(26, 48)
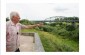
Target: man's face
(16, 18)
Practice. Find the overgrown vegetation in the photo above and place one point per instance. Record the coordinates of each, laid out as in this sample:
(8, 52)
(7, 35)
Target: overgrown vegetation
(67, 31)
(55, 43)
(59, 36)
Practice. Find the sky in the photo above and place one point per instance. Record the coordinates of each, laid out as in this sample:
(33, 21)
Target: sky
(41, 11)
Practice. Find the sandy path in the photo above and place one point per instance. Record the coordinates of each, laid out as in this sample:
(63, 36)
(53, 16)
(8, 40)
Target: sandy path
(26, 43)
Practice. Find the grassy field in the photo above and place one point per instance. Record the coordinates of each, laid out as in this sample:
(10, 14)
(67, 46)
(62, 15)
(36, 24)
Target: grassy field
(55, 43)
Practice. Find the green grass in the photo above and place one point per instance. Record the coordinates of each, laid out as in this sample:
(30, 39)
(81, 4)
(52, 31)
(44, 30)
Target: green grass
(55, 43)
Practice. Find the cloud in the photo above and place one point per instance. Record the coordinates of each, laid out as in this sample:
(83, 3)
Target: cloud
(60, 9)
(41, 11)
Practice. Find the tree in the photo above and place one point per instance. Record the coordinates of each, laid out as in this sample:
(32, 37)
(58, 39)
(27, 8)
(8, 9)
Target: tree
(7, 19)
(57, 19)
(25, 21)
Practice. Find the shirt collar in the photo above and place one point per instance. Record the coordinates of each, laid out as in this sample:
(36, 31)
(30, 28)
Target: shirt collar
(12, 23)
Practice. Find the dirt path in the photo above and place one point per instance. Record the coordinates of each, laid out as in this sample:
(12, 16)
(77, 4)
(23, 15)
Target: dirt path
(26, 44)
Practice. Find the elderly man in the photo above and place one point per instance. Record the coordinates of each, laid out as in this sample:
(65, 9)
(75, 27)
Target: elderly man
(13, 28)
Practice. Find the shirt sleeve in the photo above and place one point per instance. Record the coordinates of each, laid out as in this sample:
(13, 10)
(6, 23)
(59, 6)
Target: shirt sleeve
(23, 26)
(6, 28)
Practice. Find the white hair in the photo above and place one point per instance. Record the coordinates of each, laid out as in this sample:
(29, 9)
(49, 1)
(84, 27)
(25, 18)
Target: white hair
(13, 14)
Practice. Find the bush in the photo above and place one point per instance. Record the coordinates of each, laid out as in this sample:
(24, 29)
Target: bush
(74, 35)
(53, 24)
(70, 28)
(53, 43)
(69, 32)
(7, 19)
(63, 32)
(47, 28)
(25, 22)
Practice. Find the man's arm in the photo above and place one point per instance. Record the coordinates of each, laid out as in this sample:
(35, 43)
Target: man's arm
(32, 26)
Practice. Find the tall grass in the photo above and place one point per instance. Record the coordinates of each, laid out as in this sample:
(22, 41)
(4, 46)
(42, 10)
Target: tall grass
(55, 43)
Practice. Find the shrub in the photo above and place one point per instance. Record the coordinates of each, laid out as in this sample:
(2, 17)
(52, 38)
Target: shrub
(70, 28)
(63, 32)
(25, 21)
(53, 24)
(47, 28)
(74, 35)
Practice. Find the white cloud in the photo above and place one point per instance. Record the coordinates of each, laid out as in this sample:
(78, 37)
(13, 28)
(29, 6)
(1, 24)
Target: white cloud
(37, 11)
